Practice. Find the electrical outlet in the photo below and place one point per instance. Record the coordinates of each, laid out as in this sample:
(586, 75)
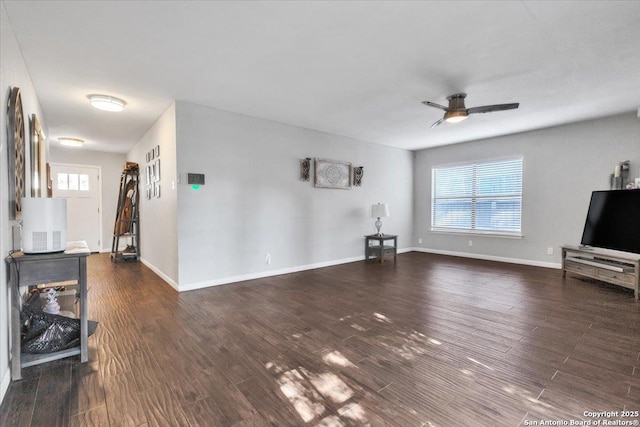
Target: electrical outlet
(470, 242)
(420, 241)
(268, 259)
(550, 250)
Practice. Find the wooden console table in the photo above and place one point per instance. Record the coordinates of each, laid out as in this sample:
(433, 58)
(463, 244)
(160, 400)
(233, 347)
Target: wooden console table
(41, 269)
(379, 250)
(619, 268)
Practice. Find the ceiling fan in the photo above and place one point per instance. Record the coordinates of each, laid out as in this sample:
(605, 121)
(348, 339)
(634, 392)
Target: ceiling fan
(457, 112)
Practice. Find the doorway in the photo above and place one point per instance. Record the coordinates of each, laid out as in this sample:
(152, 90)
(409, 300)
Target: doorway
(80, 185)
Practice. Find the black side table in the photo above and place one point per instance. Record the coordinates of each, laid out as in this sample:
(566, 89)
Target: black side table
(379, 249)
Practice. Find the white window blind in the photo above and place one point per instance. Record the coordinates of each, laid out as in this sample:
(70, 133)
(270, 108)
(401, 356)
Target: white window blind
(482, 197)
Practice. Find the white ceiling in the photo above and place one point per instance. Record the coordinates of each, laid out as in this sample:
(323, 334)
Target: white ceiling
(359, 69)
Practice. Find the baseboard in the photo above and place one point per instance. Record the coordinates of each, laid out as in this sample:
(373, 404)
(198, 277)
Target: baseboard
(263, 274)
(4, 385)
(108, 250)
(163, 276)
(492, 258)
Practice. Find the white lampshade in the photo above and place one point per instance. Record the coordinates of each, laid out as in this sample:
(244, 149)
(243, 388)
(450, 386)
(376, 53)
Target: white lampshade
(379, 210)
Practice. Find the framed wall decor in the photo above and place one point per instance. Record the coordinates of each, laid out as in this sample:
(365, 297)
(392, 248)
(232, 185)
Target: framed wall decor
(156, 169)
(358, 173)
(156, 151)
(305, 169)
(37, 145)
(49, 181)
(15, 147)
(332, 174)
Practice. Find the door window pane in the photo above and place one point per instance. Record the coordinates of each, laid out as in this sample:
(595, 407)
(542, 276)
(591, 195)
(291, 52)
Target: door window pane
(84, 182)
(73, 181)
(63, 181)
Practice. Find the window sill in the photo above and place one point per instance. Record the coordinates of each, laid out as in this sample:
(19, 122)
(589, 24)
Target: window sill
(504, 235)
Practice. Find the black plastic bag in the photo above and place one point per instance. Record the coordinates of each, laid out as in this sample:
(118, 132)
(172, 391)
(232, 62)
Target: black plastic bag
(47, 333)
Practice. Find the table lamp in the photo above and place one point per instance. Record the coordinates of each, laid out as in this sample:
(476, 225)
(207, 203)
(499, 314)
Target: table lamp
(379, 210)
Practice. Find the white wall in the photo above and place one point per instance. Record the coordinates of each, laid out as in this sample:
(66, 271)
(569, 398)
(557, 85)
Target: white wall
(111, 165)
(158, 216)
(253, 202)
(562, 166)
(13, 73)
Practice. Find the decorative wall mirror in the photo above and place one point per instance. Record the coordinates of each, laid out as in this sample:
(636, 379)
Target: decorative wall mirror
(15, 146)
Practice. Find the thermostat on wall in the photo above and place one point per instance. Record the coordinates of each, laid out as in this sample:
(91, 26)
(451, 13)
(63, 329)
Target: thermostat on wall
(195, 178)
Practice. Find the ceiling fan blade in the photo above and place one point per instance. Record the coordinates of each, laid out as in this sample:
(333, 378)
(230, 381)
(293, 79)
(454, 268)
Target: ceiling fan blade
(491, 108)
(437, 123)
(433, 104)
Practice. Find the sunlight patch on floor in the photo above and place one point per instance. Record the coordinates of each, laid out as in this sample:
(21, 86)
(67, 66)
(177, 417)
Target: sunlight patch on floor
(354, 412)
(336, 358)
(273, 367)
(415, 343)
(305, 400)
(382, 318)
(467, 372)
(330, 386)
(480, 363)
(308, 393)
(527, 397)
(331, 421)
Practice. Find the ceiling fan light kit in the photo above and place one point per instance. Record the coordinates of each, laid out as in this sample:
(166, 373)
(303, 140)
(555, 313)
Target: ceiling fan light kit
(107, 103)
(455, 116)
(457, 111)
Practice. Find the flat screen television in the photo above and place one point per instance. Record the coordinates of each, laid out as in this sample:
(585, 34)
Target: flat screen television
(613, 221)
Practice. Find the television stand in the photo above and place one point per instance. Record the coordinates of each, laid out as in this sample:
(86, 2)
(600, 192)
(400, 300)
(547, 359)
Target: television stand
(616, 267)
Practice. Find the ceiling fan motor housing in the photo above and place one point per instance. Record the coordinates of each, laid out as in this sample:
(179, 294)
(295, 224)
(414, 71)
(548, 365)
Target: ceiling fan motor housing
(456, 112)
(456, 101)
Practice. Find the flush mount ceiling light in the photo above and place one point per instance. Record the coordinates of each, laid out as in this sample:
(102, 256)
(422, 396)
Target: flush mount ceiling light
(107, 103)
(71, 142)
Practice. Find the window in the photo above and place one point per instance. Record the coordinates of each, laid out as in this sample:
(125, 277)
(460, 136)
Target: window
(479, 197)
(73, 181)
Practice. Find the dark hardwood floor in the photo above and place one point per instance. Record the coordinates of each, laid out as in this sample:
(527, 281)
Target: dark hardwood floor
(427, 341)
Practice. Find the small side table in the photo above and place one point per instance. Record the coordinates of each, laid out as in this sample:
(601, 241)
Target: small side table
(379, 249)
(35, 269)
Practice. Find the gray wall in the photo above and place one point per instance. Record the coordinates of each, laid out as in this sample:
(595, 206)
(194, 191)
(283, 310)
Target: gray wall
(111, 165)
(562, 166)
(13, 73)
(158, 216)
(253, 202)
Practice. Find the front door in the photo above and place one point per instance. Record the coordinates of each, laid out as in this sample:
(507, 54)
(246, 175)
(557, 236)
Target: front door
(80, 186)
